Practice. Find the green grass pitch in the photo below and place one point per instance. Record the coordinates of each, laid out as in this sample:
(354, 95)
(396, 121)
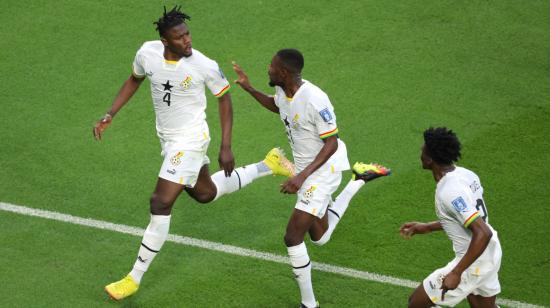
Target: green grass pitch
(391, 69)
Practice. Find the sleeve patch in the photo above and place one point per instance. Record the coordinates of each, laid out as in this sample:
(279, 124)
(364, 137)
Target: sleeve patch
(326, 114)
(459, 204)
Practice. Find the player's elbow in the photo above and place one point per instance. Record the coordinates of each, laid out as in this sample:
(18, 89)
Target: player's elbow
(488, 233)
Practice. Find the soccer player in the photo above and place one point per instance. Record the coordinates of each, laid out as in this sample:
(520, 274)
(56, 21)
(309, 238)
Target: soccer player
(462, 214)
(319, 157)
(178, 75)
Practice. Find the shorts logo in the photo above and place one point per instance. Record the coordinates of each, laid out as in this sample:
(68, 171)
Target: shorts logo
(186, 82)
(171, 171)
(221, 73)
(459, 204)
(175, 160)
(308, 194)
(325, 114)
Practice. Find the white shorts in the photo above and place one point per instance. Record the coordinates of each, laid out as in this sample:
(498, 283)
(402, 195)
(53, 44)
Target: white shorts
(481, 278)
(183, 167)
(315, 195)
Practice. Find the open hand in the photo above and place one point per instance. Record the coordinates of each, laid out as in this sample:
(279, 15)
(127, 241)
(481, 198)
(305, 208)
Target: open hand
(242, 77)
(227, 161)
(102, 125)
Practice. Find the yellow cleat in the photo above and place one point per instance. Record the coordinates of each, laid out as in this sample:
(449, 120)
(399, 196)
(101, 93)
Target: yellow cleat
(368, 172)
(123, 288)
(278, 163)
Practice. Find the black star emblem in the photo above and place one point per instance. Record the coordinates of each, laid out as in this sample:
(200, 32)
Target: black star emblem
(286, 122)
(167, 86)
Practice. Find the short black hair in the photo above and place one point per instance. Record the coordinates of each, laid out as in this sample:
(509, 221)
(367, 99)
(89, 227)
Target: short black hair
(442, 145)
(292, 59)
(170, 19)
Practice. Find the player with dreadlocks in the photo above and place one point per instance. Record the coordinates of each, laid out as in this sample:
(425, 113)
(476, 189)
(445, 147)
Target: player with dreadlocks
(461, 212)
(178, 75)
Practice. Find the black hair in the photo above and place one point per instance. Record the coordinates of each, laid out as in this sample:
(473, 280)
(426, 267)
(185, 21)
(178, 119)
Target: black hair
(170, 19)
(292, 60)
(442, 145)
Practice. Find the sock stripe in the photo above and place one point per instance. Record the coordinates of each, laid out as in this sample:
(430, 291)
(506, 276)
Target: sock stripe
(308, 262)
(334, 212)
(151, 250)
(238, 176)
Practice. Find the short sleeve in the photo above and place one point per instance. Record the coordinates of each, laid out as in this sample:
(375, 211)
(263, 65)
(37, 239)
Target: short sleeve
(138, 69)
(460, 204)
(323, 117)
(215, 80)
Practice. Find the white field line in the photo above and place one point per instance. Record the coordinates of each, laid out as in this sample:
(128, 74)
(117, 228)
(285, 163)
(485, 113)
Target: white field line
(234, 250)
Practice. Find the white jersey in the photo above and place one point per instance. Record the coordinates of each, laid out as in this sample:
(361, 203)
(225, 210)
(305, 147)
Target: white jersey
(309, 118)
(178, 92)
(458, 202)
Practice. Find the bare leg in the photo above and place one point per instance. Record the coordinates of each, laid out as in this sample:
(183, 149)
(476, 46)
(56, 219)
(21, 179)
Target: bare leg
(204, 190)
(477, 301)
(318, 227)
(420, 299)
(164, 196)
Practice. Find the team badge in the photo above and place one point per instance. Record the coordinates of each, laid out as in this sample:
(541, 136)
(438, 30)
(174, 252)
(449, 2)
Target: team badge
(459, 204)
(326, 114)
(175, 160)
(309, 192)
(295, 121)
(186, 82)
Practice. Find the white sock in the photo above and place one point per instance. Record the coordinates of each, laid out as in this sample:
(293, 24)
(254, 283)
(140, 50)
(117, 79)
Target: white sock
(341, 203)
(301, 266)
(239, 178)
(338, 208)
(152, 242)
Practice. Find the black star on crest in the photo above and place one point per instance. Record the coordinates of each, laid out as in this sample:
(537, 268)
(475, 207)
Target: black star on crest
(167, 86)
(286, 122)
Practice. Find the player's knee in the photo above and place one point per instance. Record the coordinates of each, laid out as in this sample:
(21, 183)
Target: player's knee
(160, 206)
(292, 240)
(204, 197)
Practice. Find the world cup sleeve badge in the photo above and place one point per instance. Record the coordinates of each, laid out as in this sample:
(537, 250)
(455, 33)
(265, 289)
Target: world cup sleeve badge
(326, 114)
(459, 204)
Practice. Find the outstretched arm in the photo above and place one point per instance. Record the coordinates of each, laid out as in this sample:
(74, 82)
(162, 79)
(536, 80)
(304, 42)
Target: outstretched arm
(226, 159)
(293, 185)
(267, 101)
(409, 229)
(129, 87)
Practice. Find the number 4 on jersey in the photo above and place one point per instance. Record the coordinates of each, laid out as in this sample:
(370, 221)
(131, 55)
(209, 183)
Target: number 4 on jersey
(166, 98)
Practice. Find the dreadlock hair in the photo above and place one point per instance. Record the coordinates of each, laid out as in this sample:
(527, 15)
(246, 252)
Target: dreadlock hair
(292, 60)
(442, 145)
(170, 19)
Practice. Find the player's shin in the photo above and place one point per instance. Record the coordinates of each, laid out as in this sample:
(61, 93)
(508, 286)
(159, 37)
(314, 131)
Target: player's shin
(153, 239)
(338, 208)
(301, 266)
(240, 177)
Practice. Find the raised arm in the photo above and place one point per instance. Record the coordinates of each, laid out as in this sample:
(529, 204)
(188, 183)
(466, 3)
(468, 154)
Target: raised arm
(265, 100)
(129, 87)
(226, 159)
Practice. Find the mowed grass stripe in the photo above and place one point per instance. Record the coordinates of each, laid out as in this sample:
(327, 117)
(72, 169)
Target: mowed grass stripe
(99, 224)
